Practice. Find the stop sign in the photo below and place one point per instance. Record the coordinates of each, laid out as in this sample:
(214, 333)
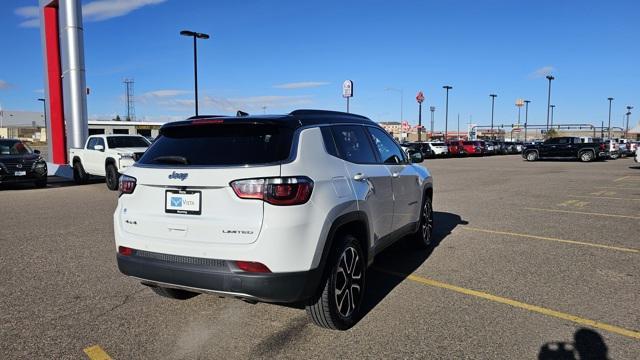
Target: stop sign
(420, 97)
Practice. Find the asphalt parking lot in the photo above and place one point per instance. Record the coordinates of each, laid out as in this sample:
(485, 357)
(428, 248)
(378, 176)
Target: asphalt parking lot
(533, 260)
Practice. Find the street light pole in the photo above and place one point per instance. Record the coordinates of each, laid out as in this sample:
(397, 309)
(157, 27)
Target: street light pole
(195, 35)
(526, 118)
(44, 108)
(433, 110)
(609, 126)
(446, 112)
(552, 108)
(626, 129)
(519, 104)
(493, 99)
(549, 77)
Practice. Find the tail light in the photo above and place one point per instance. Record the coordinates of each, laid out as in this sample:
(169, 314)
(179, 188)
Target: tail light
(251, 266)
(602, 147)
(275, 191)
(126, 185)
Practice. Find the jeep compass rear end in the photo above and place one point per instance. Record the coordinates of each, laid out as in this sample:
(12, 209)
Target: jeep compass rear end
(268, 208)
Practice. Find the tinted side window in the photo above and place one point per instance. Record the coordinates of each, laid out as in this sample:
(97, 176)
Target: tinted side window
(389, 152)
(353, 145)
(100, 141)
(329, 143)
(563, 141)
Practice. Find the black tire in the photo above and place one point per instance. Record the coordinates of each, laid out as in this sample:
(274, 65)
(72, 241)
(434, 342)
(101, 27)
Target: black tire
(112, 177)
(79, 175)
(531, 156)
(41, 183)
(326, 309)
(175, 294)
(423, 238)
(586, 156)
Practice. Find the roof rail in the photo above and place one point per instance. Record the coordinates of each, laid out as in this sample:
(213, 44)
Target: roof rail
(303, 112)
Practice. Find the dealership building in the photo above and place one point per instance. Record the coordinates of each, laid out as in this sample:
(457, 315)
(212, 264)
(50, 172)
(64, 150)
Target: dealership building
(30, 126)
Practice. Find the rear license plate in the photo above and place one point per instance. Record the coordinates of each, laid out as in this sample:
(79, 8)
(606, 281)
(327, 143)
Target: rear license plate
(20, 173)
(183, 202)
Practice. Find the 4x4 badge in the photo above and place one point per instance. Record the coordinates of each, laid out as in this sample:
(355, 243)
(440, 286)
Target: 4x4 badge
(175, 175)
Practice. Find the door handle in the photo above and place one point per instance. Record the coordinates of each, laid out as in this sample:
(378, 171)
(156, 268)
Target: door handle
(360, 177)
(395, 174)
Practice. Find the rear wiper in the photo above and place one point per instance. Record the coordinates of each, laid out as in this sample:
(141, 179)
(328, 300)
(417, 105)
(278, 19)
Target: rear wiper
(171, 160)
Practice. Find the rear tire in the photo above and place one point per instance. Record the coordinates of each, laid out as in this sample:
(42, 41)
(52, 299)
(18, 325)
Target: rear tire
(339, 302)
(586, 156)
(112, 177)
(424, 235)
(79, 175)
(175, 294)
(532, 156)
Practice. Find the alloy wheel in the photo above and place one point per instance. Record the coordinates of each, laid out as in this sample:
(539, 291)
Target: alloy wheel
(348, 282)
(426, 222)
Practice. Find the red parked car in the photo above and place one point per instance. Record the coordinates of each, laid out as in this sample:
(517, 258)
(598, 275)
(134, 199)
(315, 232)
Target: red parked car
(473, 147)
(456, 148)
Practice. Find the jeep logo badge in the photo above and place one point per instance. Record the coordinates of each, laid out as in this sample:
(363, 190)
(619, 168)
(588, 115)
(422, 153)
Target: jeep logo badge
(181, 176)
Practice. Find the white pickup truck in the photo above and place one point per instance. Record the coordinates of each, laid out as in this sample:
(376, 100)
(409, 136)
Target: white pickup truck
(106, 155)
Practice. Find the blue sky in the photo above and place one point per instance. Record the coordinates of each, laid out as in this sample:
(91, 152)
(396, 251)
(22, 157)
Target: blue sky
(295, 54)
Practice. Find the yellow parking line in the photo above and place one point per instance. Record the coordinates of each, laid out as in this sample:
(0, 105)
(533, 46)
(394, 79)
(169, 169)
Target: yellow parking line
(533, 308)
(603, 197)
(95, 352)
(551, 239)
(585, 213)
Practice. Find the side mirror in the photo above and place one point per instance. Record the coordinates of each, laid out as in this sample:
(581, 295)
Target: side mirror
(415, 156)
(98, 147)
(37, 152)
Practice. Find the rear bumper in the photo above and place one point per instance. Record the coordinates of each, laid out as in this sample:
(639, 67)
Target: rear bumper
(219, 277)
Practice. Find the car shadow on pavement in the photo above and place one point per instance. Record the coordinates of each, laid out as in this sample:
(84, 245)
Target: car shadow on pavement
(53, 182)
(393, 265)
(587, 344)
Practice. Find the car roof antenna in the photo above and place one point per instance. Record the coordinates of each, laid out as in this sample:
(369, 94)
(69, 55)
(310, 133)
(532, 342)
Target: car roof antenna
(241, 113)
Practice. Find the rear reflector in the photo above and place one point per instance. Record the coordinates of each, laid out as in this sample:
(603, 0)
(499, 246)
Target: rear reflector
(125, 251)
(251, 266)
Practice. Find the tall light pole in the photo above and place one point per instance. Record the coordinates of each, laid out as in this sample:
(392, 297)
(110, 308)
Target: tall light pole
(420, 99)
(550, 78)
(433, 110)
(552, 108)
(401, 99)
(493, 100)
(446, 112)
(626, 128)
(526, 118)
(519, 104)
(44, 109)
(609, 126)
(195, 35)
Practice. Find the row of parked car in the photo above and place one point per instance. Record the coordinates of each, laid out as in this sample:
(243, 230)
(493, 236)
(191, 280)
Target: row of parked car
(433, 149)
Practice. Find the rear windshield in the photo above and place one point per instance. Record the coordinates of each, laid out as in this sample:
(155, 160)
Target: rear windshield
(220, 145)
(437, 144)
(115, 142)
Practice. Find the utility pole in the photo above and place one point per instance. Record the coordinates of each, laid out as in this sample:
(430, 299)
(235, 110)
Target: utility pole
(493, 100)
(549, 77)
(433, 110)
(526, 118)
(609, 126)
(446, 112)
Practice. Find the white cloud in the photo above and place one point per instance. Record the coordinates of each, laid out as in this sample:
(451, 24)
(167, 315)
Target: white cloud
(256, 103)
(4, 85)
(164, 93)
(542, 72)
(98, 10)
(301, 85)
(106, 9)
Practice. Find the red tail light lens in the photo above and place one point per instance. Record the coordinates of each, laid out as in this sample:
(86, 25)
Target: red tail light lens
(602, 147)
(126, 184)
(275, 191)
(251, 266)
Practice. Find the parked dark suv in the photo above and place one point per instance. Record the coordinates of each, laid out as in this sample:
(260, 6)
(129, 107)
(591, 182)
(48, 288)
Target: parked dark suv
(18, 163)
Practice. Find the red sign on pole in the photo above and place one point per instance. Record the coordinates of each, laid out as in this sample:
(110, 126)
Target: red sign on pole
(420, 97)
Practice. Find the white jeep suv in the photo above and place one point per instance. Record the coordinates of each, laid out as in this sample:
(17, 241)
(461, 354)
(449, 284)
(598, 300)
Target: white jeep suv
(287, 209)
